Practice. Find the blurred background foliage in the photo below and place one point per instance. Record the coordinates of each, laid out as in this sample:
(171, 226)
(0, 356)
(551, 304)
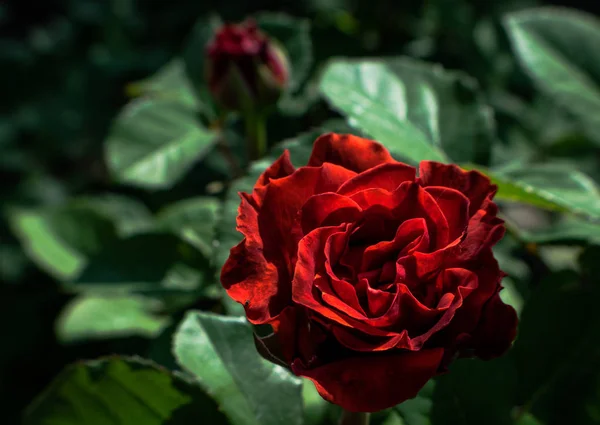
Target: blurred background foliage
(101, 252)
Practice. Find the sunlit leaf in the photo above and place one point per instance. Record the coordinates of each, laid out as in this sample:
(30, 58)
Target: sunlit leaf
(220, 353)
(376, 102)
(153, 143)
(116, 391)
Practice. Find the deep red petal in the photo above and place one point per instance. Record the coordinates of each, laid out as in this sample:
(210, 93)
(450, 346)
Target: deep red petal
(373, 383)
(455, 207)
(472, 184)
(468, 316)
(328, 209)
(459, 284)
(409, 200)
(377, 301)
(385, 176)
(359, 341)
(298, 337)
(279, 217)
(409, 235)
(282, 167)
(496, 330)
(311, 257)
(351, 152)
(418, 203)
(248, 277)
(484, 231)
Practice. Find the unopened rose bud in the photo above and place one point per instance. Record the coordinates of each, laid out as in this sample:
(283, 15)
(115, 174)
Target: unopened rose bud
(246, 70)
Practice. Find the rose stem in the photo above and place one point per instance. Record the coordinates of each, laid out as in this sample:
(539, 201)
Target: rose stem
(256, 132)
(354, 418)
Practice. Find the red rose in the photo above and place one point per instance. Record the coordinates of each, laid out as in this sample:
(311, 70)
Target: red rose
(373, 278)
(245, 69)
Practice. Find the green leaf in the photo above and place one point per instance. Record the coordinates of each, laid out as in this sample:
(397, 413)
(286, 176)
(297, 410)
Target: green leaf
(315, 406)
(128, 215)
(220, 353)
(527, 419)
(169, 83)
(393, 418)
(120, 391)
(475, 392)
(417, 411)
(376, 102)
(557, 350)
(153, 143)
(448, 108)
(567, 230)
(94, 316)
(59, 240)
(549, 187)
(145, 263)
(194, 220)
(559, 49)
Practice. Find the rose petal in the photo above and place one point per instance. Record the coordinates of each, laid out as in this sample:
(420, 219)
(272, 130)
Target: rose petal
(409, 200)
(311, 254)
(298, 336)
(373, 383)
(455, 207)
(340, 295)
(385, 176)
(247, 276)
(351, 152)
(310, 259)
(377, 301)
(410, 234)
(496, 330)
(467, 317)
(259, 269)
(462, 283)
(359, 341)
(484, 231)
(328, 209)
(472, 184)
(278, 219)
(282, 167)
(418, 203)
(375, 197)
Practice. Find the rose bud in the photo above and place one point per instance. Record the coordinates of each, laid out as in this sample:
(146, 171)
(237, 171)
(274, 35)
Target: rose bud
(373, 275)
(245, 69)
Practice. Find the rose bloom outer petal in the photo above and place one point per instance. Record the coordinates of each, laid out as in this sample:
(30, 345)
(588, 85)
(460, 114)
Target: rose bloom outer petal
(351, 152)
(282, 167)
(496, 330)
(278, 219)
(373, 382)
(474, 185)
(467, 318)
(259, 269)
(454, 206)
(328, 209)
(386, 176)
(247, 276)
